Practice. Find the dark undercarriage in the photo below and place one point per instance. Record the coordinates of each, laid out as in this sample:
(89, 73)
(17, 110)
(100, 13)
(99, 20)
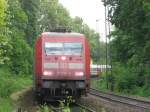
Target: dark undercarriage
(61, 89)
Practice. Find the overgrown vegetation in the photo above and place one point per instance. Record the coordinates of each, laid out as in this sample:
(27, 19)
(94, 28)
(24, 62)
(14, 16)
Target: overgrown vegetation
(9, 84)
(130, 46)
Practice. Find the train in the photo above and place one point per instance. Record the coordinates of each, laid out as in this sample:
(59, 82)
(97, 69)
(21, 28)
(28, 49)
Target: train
(62, 66)
(95, 70)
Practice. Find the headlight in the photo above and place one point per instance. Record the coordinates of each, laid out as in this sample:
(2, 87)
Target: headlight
(79, 73)
(63, 58)
(47, 73)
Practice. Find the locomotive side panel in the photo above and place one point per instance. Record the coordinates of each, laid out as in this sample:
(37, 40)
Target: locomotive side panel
(87, 58)
(38, 62)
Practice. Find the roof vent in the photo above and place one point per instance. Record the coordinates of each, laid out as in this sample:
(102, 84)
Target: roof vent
(61, 29)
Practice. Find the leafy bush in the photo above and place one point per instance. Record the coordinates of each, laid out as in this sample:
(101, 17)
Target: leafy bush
(125, 79)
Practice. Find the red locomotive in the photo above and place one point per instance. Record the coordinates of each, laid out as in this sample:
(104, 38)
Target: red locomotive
(62, 65)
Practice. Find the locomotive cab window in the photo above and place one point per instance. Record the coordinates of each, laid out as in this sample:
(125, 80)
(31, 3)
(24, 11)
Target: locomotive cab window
(73, 48)
(66, 48)
(53, 48)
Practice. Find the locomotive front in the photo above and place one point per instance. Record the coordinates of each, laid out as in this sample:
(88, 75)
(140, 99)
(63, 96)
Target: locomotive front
(64, 66)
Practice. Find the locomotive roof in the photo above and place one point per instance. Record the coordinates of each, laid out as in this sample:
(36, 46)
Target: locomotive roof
(62, 34)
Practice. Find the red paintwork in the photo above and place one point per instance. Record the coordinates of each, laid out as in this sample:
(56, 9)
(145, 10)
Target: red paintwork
(87, 62)
(41, 58)
(38, 61)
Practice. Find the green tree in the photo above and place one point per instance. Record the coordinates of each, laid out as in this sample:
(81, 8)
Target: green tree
(52, 15)
(31, 9)
(4, 40)
(21, 54)
(130, 42)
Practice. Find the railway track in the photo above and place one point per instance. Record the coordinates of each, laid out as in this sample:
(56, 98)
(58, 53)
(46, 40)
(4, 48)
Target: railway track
(78, 107)
(75, 108)
(144, 105)
(87, 109)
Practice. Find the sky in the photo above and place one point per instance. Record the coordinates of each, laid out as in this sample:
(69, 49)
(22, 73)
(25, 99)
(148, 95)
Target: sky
(90, 11)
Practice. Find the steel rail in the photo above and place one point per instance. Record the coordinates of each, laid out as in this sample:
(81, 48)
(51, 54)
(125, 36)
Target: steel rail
(59, 109)
(85, 107)
(142, 104)
(135, 100)
(56, 109)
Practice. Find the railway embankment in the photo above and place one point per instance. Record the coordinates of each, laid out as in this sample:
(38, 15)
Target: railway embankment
(115, 103)
(96, 101)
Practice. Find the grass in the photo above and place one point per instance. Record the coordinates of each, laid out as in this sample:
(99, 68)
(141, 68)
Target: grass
(10, 83)
(97, 84)
(5, 105)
